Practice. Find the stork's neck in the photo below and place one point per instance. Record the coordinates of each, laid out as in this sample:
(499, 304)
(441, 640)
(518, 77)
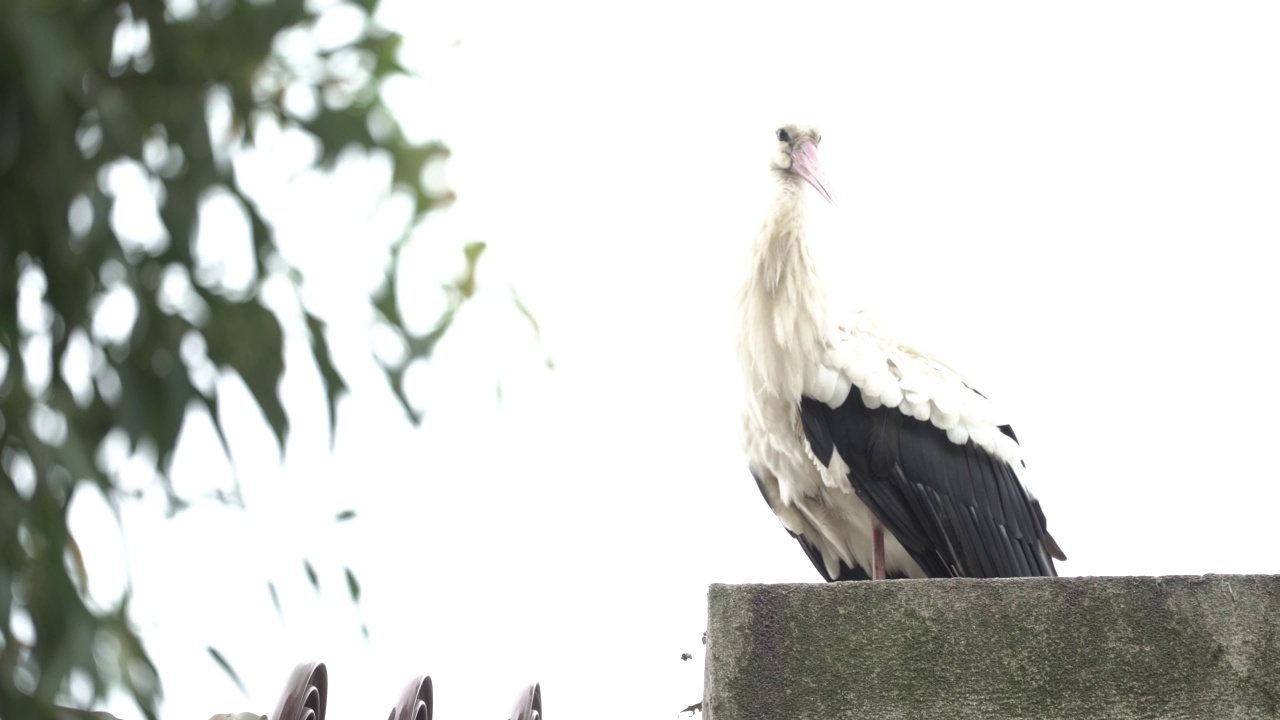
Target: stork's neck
(783, 301)
(781, 249)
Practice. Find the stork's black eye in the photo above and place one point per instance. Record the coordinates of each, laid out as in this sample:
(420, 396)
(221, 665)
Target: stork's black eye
(783, 135)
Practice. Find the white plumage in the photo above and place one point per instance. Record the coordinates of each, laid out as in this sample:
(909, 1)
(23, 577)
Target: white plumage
(823, 435)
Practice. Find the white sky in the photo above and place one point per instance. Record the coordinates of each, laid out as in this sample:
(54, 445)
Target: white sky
(1075, 203)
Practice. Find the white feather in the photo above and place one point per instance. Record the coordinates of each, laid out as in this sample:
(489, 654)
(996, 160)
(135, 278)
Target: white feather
(820, 383)
(871, 401)
(841, 394)
(891, 396)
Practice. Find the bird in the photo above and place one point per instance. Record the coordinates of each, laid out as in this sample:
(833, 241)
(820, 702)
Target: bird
(877, 457)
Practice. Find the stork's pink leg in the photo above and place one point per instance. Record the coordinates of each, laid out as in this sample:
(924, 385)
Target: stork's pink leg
(877, 552)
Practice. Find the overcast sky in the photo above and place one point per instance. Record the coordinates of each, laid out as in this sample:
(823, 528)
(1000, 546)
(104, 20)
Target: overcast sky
(1076, 203)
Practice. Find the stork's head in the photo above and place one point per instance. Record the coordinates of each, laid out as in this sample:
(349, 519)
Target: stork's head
(797, 156)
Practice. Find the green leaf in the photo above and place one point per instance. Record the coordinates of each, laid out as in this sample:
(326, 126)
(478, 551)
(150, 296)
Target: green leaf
(312, 577)
(275, 598)
(353, 586)
(263, 240)
(334, 386)
(533, 323)
(524, 310)
(76, 560)
(259, 363)
(346, 515)
(467, 283)
(226, 667)
(395, 377)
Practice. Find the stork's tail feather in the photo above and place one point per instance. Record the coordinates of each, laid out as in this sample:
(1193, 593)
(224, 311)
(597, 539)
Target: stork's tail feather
(1051, 545)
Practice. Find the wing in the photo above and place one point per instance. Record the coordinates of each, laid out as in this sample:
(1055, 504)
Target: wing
(861, 358)
(956, 508)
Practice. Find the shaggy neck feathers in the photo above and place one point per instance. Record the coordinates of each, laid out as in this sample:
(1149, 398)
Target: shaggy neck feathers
(783, 304)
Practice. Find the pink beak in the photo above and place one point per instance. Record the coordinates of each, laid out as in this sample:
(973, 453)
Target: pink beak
(804, 160)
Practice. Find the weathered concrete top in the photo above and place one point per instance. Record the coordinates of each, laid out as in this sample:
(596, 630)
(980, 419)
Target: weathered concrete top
(1197, 648)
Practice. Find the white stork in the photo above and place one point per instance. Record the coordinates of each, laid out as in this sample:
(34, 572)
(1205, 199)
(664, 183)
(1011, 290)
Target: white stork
(876, 457)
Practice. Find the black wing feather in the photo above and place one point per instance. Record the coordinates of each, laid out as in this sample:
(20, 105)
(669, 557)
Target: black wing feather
(957, 509)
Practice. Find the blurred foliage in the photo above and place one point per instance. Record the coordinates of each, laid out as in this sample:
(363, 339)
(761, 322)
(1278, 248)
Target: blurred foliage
(92, 91)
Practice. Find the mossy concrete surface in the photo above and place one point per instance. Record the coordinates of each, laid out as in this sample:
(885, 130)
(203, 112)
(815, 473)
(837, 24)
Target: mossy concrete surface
(1093, 647)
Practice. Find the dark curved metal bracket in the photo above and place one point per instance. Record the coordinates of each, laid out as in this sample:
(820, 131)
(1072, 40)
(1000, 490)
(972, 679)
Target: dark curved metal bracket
(305, 694)
(528, 704)
(415, 701)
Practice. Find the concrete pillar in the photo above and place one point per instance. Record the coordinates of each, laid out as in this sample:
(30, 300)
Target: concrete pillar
(1198, 648)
